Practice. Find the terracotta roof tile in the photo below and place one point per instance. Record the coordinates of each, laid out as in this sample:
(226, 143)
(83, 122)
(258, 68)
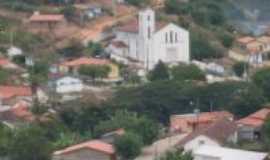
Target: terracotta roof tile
(85, 61)
(96, 145)
(219, 131)
(256, 119)
(14, 91)
(245, 40)
(46, 18)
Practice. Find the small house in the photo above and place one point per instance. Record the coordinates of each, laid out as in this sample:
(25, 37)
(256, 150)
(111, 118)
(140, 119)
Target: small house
(217, 134)
(91, 150)
(68, 85)
(250, 126)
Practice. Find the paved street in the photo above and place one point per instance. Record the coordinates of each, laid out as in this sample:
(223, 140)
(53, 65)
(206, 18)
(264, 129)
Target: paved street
(159, 147)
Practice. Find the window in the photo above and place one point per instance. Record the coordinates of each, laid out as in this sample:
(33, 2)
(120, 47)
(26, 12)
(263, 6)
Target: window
(148, 18)
(149, 32)
(171, 37)
(201, 142)
(176, 38)
(166, 38)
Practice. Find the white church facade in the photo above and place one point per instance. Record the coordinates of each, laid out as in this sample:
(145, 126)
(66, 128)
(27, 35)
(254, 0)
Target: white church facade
(147, 42)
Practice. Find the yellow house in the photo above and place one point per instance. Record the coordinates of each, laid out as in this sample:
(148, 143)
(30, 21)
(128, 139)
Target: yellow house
(73, 66)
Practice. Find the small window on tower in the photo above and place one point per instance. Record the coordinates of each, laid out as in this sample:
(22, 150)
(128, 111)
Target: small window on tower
(171, 37)
(149, 32)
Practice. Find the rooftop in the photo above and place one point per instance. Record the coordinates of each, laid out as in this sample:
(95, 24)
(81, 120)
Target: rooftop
(218, 131)
(37, 17)
(229, 154)
(14, 91)
(96, 145)
(256, 119)
(85, 61)
(245, 40)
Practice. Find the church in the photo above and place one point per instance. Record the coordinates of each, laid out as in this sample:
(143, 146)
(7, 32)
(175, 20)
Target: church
(146, 42)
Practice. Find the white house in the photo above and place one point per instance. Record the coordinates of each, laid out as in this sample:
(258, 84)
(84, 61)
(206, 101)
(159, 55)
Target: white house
(207, 152)
(14, 51)
(148, 42)
(217, 134)
(69, 85)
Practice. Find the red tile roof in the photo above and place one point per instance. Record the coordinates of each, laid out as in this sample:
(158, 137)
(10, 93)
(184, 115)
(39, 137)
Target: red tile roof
(119, 44)
(4, 61)
(85, 61)
(256, 119)
(185, 120)
(245, 40)
(46, 18)
(220, 131)
(7, 92)
(21, 111)
(96, 145)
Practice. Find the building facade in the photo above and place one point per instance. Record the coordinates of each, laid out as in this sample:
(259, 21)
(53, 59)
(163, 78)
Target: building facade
(148, 42)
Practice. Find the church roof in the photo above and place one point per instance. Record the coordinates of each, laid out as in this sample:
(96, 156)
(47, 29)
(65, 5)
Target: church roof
(133, 26)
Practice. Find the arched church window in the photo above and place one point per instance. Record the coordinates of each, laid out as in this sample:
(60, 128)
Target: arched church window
(149, 32)
(171, 37)
(166, 37)
(176, 37)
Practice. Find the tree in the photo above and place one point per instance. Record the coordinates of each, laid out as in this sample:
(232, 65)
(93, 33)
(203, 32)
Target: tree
(5, 137)
(69, 11)
(176, 155)
(94, 71)
(94, 49)
(160, 72)
(184, 72)
(3, 76)
(226, 39)
(266, 133)
(128, 146)
(38, 73)
(262, 79)
(240, 68)
(29, 143)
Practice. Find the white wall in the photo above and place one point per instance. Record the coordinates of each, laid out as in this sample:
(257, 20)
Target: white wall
(163, 49)
(67, 85)
(201, 157)
(196, 143)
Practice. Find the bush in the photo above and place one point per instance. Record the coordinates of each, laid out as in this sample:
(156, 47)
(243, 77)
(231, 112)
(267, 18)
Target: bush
(184, 72)
(240, 68)
(128, 146)
(160, 72)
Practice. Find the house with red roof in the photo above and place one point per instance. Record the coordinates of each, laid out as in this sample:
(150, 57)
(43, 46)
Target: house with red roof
(218, 133)
(91, 150)
(10, 93)
(186, 123)
(250, 126)
(72, 66)
(45, 22)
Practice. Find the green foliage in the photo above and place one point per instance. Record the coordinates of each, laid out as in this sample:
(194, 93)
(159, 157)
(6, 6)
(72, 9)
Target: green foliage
(75, 49)
(38, 73)
(226, 39)
(94, 71)
(266, 134)
(261, 79)
(138, 2)
(94, 49)
(19, 59)
(142, 126)
(159, 100)
(184, 72)
(240, 68)
(4, 75)
(29, 143)
(5, 137)
(69, 11)
(128, 146)
(176, 155)
(160, 72)
(202, 49)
